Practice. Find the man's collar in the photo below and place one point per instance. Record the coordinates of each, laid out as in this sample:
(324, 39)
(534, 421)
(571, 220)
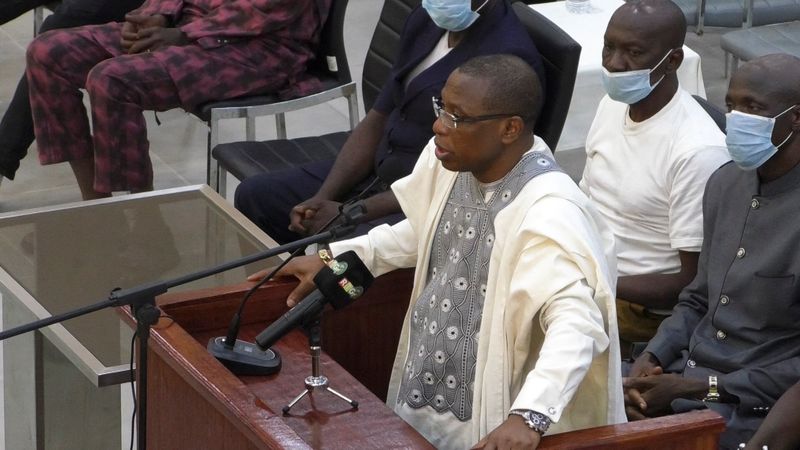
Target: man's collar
(788, 181)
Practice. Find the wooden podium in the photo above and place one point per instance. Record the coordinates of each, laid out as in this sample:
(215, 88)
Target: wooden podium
(196, 403)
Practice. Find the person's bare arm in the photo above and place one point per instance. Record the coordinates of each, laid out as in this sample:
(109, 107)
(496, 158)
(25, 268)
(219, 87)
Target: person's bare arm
(658, 291)
(356, 158)
(353, 164)
(781, 429)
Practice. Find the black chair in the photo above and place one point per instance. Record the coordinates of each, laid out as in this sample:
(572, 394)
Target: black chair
(560, 55)
(246, 159)
(715, 112)
(330, 66)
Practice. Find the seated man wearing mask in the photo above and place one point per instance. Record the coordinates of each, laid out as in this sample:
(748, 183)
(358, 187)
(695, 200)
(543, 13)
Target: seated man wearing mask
(734, 337)
(649, 153)
(436, 39)
(511, 327)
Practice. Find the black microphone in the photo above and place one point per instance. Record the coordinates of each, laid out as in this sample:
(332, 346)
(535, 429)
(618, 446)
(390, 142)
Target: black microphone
(244, 358)
(339, 283)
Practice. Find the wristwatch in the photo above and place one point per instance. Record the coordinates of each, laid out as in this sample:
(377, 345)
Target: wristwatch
(713, 390)
(535, 421)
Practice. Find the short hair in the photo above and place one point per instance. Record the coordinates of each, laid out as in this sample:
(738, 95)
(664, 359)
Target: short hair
(774, 75)
(664, 20)
(513, 86)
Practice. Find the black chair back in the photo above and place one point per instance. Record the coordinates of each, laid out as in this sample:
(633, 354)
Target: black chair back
(383, 48)
(716, 114)
(331, 60)
(560, 55)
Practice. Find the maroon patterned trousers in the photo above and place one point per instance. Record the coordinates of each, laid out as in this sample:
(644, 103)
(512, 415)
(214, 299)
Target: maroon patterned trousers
(120, 88)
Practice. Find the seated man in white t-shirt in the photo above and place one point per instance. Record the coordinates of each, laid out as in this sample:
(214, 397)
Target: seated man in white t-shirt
(649, 153)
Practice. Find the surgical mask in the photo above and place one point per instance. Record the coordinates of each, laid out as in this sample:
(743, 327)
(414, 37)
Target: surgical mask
(749, 138)
(632, 86)
(452, 15)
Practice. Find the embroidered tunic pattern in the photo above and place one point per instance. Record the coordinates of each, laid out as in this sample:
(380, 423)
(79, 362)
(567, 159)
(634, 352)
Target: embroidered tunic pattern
(446, 320)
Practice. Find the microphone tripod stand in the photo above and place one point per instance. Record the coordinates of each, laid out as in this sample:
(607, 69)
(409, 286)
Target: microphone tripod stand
(317, 380)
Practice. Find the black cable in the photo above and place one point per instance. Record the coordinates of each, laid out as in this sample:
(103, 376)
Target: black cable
(133, 390)
(233, 330)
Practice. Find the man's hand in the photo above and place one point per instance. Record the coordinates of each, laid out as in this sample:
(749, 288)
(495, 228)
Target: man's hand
(511, 434)
(146, 21)
(658, 391)
(128, 36)
(308, 217)
(304, 268)
(646, 364)
(134, 24)
(155, 38)
(635, 405)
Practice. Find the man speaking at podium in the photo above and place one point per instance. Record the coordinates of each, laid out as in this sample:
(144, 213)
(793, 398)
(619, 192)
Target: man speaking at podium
(511, 331)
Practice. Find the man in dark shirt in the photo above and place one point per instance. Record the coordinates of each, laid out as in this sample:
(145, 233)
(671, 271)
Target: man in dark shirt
(733, 340)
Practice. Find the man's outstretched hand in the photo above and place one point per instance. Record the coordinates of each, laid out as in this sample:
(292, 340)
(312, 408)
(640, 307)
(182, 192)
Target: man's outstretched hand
(304, 268)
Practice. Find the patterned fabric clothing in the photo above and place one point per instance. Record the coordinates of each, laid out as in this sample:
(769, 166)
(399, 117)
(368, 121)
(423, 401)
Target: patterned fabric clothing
(267, 53)
(440, 370)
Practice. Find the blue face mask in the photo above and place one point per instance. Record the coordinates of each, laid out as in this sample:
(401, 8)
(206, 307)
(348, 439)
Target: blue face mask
(632, 86)
(452, 15)
(749, 138)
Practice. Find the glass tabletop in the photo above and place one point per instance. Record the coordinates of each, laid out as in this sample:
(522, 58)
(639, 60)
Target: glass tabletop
(60, 258)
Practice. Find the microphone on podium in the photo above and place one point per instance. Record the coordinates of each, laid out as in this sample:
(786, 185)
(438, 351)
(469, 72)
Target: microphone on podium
(339, 283)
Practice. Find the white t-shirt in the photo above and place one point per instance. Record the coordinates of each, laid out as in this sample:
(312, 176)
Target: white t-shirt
(647, 179)
(441, 50)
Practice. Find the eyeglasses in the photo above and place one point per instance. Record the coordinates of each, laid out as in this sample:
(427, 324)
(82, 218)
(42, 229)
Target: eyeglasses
(452, 121)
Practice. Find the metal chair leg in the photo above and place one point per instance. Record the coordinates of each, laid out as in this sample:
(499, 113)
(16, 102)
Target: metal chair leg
(727, 64)
(38, 18)
(352, 106)
(280, 125)
(212, 165)
(222, 181)
(701, 16)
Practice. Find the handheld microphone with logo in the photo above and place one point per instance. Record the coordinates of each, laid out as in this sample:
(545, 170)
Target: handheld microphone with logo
(340, 283)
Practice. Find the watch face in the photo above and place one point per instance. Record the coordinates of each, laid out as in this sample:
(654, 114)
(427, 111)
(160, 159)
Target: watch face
(536, 421)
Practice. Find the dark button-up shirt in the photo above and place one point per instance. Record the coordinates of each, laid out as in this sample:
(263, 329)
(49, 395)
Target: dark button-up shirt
(739, 319)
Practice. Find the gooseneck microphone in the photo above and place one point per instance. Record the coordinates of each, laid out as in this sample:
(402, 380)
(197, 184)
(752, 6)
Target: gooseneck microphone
(245, 358)
(339, 283)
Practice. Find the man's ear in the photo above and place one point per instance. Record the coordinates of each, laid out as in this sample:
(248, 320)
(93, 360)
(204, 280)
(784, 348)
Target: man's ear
(795, 117)
(512, 129)
(674, 60)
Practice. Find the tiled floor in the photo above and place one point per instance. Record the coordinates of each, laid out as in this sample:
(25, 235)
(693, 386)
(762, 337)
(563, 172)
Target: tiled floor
(178, 145)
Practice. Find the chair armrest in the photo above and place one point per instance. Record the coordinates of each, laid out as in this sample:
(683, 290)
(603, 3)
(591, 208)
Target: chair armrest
(259, 106)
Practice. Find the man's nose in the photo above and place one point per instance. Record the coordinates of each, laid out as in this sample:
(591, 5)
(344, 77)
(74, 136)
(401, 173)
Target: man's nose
(614, 62)
(438, 127)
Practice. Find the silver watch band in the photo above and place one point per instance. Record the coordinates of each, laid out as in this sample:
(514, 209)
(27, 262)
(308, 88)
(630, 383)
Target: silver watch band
(536, 421)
